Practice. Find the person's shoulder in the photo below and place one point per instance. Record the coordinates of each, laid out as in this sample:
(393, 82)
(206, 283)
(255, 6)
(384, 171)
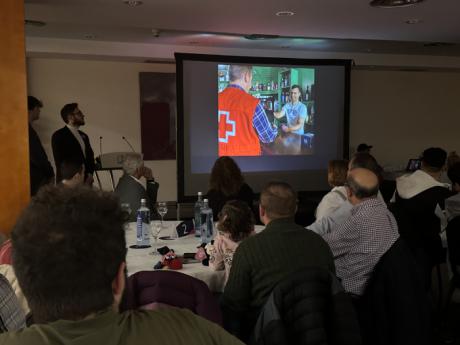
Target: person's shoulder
(61, 131)
(173, 322)
(26, 336)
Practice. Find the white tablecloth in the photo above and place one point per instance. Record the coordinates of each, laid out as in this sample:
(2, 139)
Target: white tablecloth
(140, 259)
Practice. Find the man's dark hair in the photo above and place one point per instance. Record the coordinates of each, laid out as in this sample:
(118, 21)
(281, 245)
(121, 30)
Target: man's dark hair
(279, 200)
(454, 173)
(359, 191)
(366, 161)
(68, 245)
(295, 86)
(70, 167)
(33, 102)
(67, 110)
(433, 159)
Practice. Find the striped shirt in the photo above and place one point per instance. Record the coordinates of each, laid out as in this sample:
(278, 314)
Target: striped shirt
(358, 244)
(265, 131)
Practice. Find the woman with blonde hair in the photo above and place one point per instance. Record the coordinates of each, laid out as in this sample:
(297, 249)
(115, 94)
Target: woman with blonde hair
(336, 177)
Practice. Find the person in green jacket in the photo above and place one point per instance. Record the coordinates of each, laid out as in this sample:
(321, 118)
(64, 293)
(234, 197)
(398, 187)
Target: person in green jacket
(69, 258)
(263, 260)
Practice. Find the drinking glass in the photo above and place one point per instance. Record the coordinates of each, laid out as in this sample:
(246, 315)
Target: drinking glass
(155, 229)
(162, 209)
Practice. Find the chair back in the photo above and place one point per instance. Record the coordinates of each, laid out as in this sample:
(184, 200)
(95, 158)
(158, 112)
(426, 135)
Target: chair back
(151, 288)
(5, 253)
(394, 308)
(453, 244)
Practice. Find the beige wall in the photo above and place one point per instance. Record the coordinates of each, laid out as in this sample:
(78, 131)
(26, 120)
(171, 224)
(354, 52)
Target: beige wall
(400, 113)
(108, 94)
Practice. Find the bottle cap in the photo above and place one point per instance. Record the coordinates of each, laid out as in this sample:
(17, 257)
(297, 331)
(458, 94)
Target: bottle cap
(205, 200)
(199, 193)
(143, 200)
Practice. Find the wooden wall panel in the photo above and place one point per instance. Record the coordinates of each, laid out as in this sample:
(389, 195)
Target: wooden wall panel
(14, 150)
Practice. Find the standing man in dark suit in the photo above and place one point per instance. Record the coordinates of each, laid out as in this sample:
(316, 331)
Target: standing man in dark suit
(70, 143)
(41, 171)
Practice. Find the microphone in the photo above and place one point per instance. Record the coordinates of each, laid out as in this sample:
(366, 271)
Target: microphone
(100, 146)
(131, 146)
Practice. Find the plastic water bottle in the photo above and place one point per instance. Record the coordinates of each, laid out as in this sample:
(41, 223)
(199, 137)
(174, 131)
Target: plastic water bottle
(143, 225)
(207, 223)
(197, 214)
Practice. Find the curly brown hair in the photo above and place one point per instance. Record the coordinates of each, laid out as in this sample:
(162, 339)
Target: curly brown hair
(226, 176)
(236, 219)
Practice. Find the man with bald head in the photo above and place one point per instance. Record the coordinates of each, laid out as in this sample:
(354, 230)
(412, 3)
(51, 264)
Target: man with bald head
(358, 244)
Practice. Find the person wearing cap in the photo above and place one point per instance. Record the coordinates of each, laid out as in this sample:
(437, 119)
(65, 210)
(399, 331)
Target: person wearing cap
(419, 199)
(364, 148)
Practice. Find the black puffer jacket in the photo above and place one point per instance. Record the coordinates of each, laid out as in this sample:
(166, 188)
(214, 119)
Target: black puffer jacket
(310, 307)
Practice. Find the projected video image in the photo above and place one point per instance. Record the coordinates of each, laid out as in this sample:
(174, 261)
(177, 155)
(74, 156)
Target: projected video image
(265, 110)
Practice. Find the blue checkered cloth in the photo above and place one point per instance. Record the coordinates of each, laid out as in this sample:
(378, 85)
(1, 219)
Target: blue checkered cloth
(12, 317)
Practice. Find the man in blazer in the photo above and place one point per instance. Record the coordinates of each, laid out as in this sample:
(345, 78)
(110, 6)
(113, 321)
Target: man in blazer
(41, 171)
(70, 143)
(130, 189)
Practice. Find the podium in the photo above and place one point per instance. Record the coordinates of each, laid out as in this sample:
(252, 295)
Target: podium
(110, 162)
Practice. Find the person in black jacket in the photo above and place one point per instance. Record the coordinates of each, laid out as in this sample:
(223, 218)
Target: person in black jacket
(41, 171)
(69, 142)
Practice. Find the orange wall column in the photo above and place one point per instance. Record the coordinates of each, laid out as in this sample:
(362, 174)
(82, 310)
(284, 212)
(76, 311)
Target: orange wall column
(14, 147)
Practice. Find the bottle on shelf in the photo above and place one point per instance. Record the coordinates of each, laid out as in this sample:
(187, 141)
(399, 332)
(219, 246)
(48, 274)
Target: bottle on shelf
(307, 93)
(197, 214)
(207, 223)
(143, 224)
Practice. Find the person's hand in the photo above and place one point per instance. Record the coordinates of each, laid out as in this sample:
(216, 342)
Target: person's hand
(147, 173)
(285, 128)
(89, 180)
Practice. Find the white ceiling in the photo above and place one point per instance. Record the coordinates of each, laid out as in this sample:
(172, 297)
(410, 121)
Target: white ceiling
(318, 25)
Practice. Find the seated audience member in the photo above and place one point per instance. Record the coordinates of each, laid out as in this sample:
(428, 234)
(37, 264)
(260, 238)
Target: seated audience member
(452, 204)
(71, 267)
(452, 158)
(72, 172)
(328, 223)
(227, 183)
(8, 272)
(263, 260)
(130, 189)
(336, 177)
(419, 197)
(359, 243)
(236, 222)
(12, 316)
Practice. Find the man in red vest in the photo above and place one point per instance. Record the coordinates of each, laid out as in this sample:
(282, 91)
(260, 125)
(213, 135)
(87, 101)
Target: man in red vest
(243, 123)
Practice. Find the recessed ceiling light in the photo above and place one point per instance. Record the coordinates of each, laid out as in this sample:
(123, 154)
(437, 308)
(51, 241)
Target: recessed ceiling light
(37, 23)
(413, 21)
(285, 13)
(132, 3)
(394, 3)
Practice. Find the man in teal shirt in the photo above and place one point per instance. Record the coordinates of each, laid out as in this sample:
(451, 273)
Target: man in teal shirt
(295, 112)
(69, 258)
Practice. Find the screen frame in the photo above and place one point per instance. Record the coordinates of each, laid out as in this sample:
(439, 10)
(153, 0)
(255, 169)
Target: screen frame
(231, 59)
